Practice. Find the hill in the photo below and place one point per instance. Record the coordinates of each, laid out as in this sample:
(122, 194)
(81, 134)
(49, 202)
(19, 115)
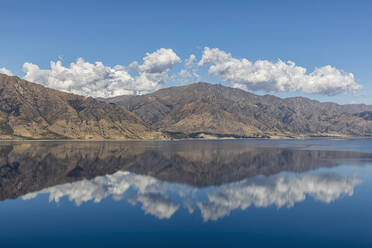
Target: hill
(209, 110)
(31, 111)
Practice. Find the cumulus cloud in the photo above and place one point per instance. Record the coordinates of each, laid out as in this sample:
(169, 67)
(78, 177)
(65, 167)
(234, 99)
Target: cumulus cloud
(276, 77)
(157, 62)
(98, 80)
(190, 61)
(5, 71)
(189, 73)
(186, 76)
(154, 72)
(83, 78)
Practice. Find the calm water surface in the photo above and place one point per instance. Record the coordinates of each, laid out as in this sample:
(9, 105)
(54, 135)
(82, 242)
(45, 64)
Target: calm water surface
(241, 193)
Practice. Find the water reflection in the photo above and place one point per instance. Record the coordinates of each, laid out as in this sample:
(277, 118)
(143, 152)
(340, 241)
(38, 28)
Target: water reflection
(161, 199)
(151, 193)
(163, 177)
(276, 190)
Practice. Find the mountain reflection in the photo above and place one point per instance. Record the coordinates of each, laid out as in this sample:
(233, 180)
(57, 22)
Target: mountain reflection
(163, 177)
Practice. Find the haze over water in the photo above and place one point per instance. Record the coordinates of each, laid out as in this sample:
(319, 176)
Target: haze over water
(258, 193)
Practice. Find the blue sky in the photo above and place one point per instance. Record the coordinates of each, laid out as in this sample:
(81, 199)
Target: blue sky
(310, 33)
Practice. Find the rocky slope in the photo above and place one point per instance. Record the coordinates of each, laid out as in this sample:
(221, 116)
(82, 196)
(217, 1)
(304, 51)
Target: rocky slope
(31, 111)
(207, 110)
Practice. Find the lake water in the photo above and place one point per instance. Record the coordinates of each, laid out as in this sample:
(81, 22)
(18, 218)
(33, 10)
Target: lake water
(231, 193)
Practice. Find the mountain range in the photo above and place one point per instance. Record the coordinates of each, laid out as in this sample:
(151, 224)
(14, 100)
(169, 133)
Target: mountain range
(199, 110)
(210, 110)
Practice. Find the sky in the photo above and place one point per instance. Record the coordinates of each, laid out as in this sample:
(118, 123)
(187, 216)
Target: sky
(318, 49)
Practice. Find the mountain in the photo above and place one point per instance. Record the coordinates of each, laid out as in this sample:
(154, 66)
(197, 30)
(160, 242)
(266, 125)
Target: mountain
(31, 111)
(208, 110)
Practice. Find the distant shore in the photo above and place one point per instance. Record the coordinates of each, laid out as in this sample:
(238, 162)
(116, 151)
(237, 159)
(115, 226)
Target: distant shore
(187, 139)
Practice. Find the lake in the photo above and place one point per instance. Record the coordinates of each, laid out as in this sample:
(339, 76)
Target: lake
(199, 193)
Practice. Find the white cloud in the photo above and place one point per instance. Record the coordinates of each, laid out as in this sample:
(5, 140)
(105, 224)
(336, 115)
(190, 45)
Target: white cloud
(146, 82)
(98, 80)
(276, 77)
(83, 78)
(190, 61)
(5, 71)
(154, 72)
(189, 74)
(186, 76)
(157, 62)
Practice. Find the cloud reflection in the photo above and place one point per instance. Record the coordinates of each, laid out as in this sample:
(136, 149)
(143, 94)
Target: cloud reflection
(163, 199)
(283, 190)
(150, 192)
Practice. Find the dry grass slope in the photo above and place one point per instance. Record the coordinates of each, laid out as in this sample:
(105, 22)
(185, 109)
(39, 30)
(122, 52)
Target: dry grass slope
(203, 109)
(31, 111)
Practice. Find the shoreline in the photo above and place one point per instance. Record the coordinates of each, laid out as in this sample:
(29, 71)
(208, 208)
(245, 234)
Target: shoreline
(186, 139)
